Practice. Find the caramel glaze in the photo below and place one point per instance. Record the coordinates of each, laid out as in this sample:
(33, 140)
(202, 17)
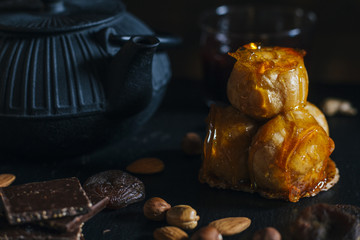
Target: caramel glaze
(318, 115)
(331, 178)
(294, 154)
(297, 151)
(268, 140)
(226, 146)
(266, 81)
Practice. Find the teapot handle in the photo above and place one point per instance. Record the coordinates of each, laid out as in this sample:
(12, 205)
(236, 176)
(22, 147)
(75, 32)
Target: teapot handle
(53, 6)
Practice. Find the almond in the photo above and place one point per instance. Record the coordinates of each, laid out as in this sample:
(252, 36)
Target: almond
(170, 233)
(146, 166)
(231, 225)
(6, 179)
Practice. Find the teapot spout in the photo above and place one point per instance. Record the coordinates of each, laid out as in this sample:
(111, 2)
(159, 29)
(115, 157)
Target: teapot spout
(129, 84)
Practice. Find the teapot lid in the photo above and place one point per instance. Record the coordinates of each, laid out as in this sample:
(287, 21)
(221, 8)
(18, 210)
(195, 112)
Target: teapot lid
(49, 16)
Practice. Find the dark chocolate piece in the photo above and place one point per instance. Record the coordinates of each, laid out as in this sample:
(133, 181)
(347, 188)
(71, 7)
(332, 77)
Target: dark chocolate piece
(120, 187)
(27, 231)
(326, 222)
(44, 200)
(69, 224)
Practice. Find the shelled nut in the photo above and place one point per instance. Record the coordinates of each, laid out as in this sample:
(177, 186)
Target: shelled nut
(6, 179)
(170, 233)
(192, 144)
(207, 233)
(231, 225)
(268, 233)
(155, 208)
(146, 166)
(182, 216)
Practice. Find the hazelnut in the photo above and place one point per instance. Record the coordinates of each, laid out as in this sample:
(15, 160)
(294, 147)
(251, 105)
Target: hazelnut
(182, 216)
(192, 144)
(268, 233)
(207, 233)
(155, 208)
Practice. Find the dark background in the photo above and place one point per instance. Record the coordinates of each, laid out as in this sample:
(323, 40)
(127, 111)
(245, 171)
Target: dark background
(335, 60)
(335, 48)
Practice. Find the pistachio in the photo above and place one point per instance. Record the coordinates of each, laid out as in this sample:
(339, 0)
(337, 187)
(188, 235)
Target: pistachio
(170, 233)
(231, 225)
(192, 144)
(268, 233)
(182, 216)
(207, 233)
(146, 166)
(155, 208)
(6, 179)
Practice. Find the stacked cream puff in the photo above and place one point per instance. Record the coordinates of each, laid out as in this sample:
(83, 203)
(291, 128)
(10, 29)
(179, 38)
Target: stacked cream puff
(270, 140)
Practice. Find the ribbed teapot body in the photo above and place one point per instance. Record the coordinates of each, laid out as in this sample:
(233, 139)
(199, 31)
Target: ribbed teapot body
(52, 97)
(51, 75)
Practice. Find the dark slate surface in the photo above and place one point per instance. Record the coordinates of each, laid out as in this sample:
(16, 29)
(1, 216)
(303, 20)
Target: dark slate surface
(183, 111)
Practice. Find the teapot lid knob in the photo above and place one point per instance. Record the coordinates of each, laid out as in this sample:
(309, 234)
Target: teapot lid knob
(58, 16)
(51, 1)
(54, 6)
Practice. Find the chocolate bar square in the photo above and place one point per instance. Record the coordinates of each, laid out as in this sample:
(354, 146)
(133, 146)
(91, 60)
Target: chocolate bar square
(70, 224)
(44, 200)
(27, 231)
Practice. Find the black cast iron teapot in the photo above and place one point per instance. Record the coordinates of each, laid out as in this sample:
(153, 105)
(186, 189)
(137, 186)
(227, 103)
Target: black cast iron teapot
(75, 74)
